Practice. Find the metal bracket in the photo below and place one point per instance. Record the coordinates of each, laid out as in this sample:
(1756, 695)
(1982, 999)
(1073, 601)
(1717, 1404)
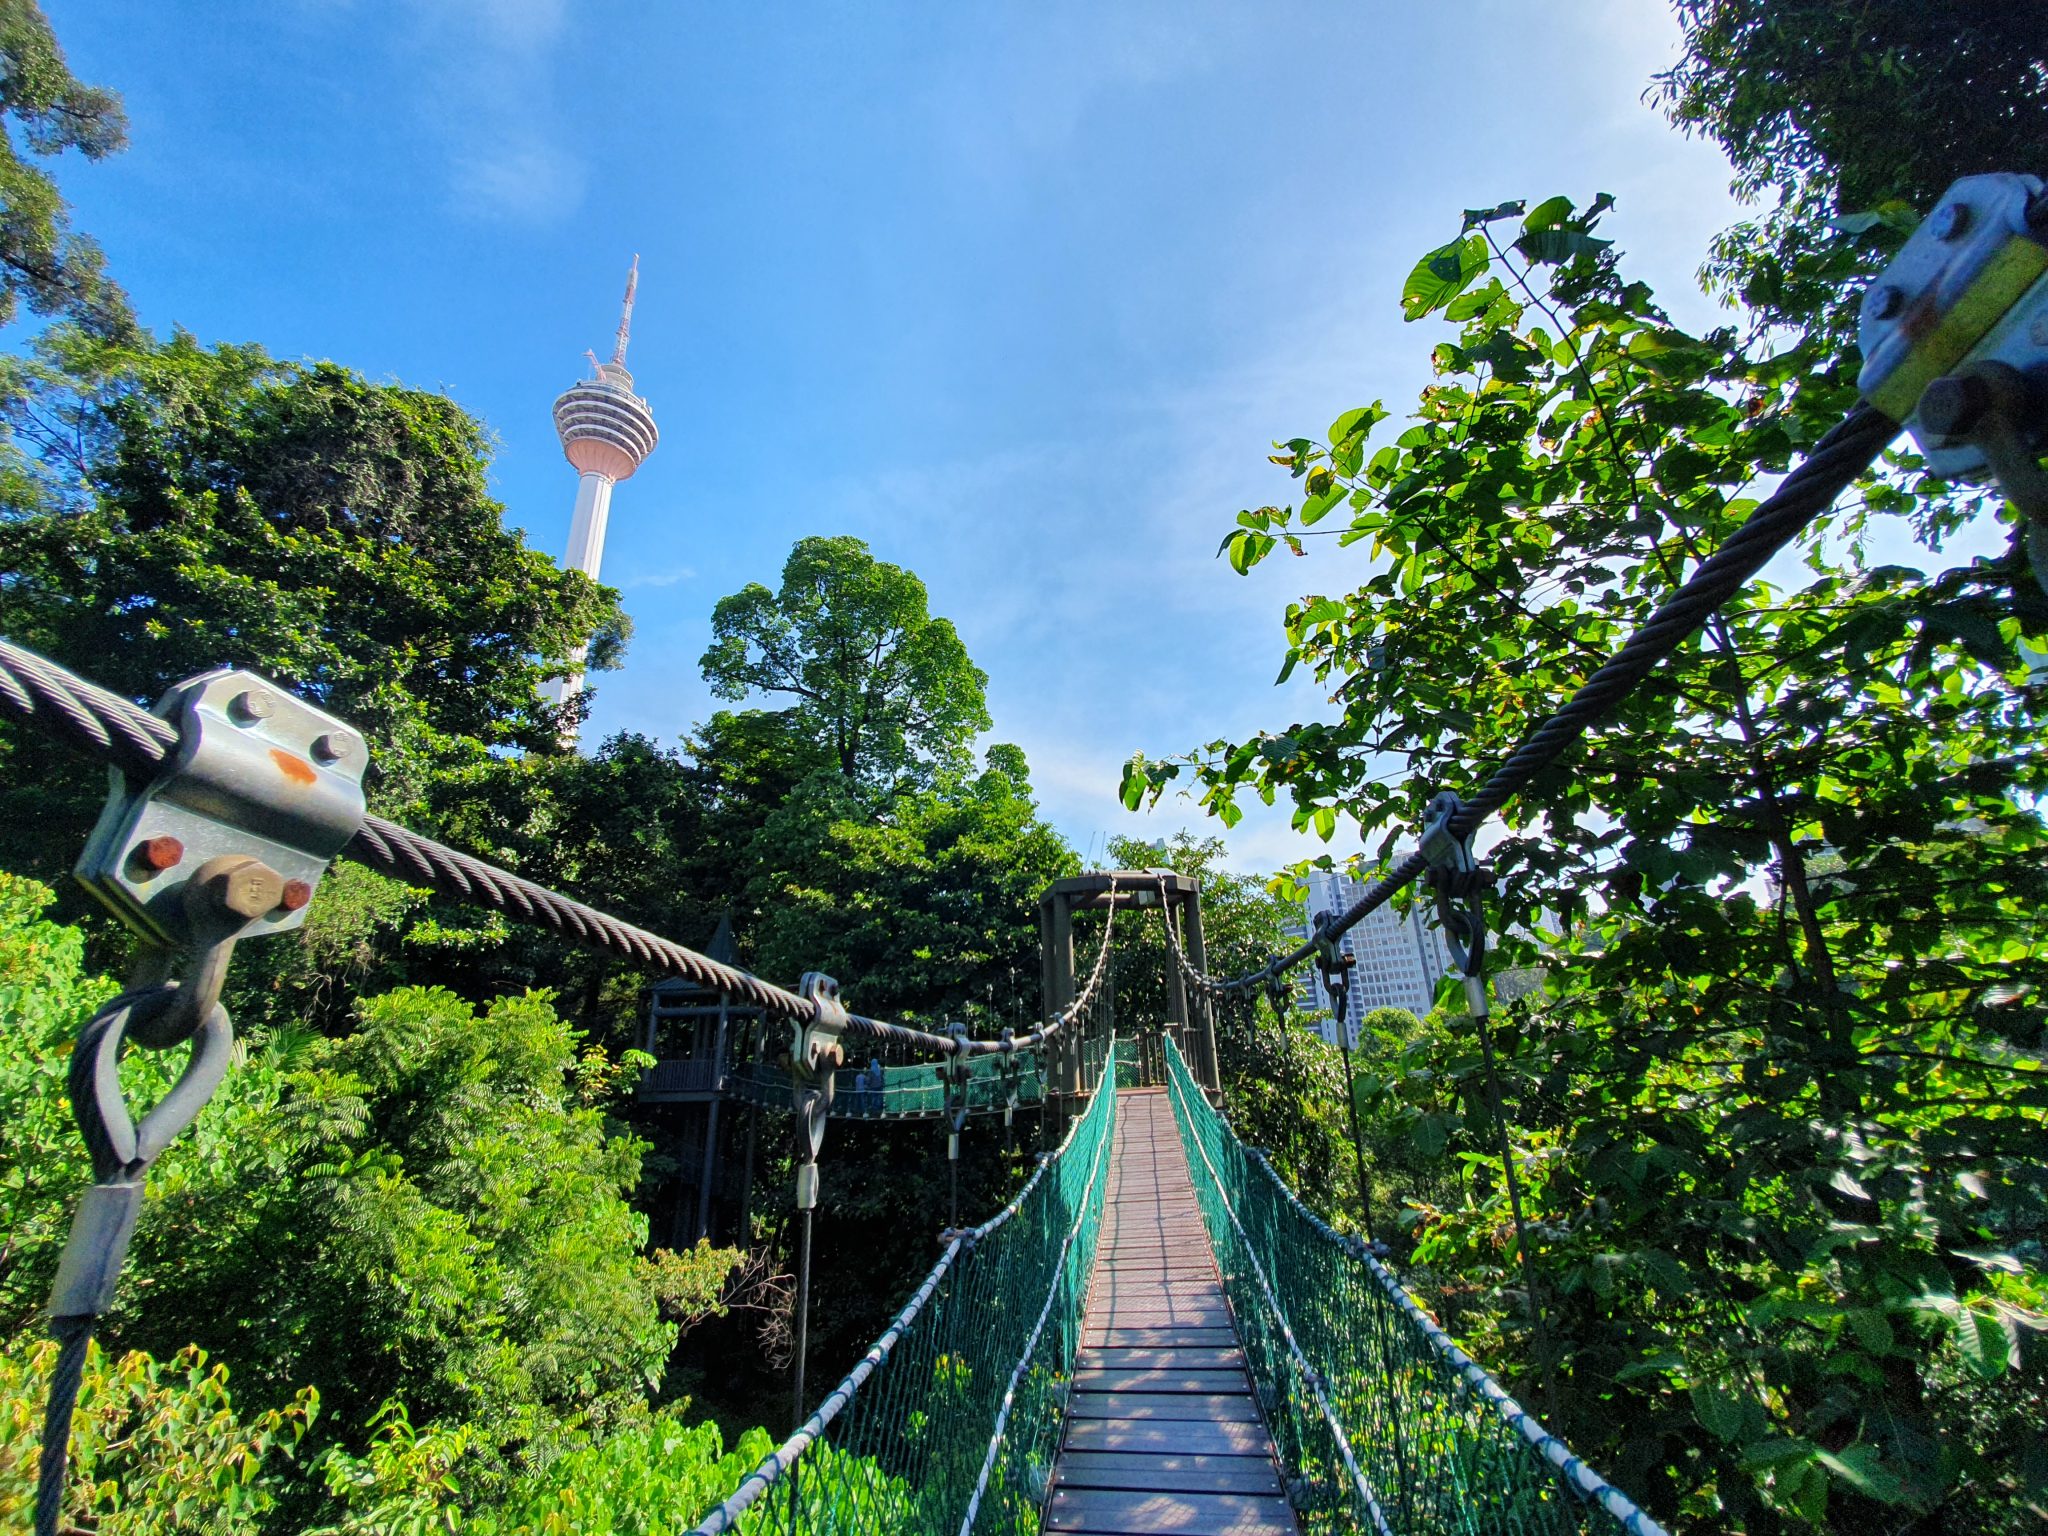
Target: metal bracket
(262, 793)
(1334, 966)
(1013, 1074)
(1970, 286)
(1459, 882)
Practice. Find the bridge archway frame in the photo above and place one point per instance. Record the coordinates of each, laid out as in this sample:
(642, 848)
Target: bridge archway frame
(1190, 1020)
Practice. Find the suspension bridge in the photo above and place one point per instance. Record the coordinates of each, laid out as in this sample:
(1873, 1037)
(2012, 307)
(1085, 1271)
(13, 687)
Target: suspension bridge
(1156, 1335)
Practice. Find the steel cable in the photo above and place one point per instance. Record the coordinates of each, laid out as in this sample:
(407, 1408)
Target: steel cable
(1837, 459)
(115, 730)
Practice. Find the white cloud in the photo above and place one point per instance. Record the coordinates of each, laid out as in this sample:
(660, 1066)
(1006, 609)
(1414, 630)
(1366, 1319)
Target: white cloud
(490, 101)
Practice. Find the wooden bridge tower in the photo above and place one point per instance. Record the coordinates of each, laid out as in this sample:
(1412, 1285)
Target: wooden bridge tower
(1134, 893)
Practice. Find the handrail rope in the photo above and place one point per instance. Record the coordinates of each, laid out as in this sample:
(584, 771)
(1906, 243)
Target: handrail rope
(1309, 1373)
(117, 731)
(1554, 1450)
(1052, 1292)
(779, 1460)
(1837, 459)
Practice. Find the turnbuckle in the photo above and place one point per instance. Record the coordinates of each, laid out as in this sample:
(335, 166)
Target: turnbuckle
(815, 1054)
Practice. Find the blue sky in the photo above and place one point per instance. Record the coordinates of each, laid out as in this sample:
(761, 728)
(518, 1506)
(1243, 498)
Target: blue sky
(1019, 294)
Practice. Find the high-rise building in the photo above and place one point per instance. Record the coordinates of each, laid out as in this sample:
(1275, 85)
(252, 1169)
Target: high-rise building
(1397, 958)
(607, 432)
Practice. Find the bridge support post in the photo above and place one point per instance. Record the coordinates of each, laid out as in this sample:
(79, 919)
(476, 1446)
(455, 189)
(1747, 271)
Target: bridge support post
(1207, 1071)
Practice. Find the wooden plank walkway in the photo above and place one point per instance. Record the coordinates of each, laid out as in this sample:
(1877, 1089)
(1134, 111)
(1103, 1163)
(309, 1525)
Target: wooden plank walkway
(1163, 1435)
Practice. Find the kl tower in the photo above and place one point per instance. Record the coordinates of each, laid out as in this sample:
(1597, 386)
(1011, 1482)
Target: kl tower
(607, 431)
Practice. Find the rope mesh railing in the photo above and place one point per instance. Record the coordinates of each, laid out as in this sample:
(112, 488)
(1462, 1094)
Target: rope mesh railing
(951, 1421)
(911, 1092)
(1382, 1423)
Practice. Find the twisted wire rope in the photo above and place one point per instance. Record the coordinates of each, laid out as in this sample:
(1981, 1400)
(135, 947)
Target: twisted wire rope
(1837, 459)
(102, 724)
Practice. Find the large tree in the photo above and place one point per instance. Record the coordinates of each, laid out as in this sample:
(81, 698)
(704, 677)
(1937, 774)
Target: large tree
(886, 688)
(45, 111)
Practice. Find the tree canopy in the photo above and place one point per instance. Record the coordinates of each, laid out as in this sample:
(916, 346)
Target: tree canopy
(885, 687)
(46, 111)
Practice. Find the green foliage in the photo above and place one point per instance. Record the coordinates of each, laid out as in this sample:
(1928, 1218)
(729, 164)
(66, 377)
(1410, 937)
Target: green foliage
(44, 995)
(884, 686)
(423, 1211)
(1779, 1110)
(156, 1447)
(925, 906)
(48, 111)
(1885, 100)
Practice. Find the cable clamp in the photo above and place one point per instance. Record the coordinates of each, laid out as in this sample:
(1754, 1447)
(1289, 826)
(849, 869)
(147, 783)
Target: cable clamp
(1969, 286)
(261, 794)
(1460, 883)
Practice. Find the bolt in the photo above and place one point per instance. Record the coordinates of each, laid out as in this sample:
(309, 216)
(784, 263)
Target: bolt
(1950, 406)
(1951, 221)
(296, 894)
(157, 854)
(239, 885)
(2038, 331)
(333, 746)
(248, 708)
(1885, 301)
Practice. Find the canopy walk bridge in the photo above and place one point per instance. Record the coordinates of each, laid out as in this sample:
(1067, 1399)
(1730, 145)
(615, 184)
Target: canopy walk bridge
(1155, 1335)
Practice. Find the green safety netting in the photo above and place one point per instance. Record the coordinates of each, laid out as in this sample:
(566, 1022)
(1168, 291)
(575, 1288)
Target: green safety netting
(1383, 1424)
(951, 1421)
(902, 1092)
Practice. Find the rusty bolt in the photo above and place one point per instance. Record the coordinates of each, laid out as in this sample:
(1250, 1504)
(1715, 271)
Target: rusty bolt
(157, 854)
(1951, 406)
(252, 706)
(242, 886)
(333, 746)
(296, 894)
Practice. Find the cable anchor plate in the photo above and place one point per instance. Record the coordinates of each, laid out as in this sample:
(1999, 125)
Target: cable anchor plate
(259, 778)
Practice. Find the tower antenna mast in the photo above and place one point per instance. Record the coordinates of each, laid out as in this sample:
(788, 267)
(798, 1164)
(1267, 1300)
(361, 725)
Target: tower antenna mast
(626, 313)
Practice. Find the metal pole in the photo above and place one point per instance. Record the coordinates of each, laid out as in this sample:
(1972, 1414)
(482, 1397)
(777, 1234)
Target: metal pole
(803, 1329)
(1357, 1138)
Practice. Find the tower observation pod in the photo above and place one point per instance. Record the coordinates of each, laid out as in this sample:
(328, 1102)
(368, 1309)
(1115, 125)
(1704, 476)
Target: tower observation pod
(607, 431)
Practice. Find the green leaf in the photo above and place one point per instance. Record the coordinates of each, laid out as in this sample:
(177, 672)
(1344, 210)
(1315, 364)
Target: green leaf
(1989, 1344)
(1548, 214)
(1554, 247)
(1442, 275)
(1862, 1469)
(1362, 418)
(1316, 508)
(1719, 1411)
(1477, 216)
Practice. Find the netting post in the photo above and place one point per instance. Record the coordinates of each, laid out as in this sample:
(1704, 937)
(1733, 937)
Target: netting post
(1204, 1005)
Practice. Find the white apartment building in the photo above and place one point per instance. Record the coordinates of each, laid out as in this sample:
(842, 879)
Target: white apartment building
(1397, 958)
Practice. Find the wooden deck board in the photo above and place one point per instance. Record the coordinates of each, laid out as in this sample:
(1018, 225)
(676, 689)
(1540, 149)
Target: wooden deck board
(1163, 1435)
